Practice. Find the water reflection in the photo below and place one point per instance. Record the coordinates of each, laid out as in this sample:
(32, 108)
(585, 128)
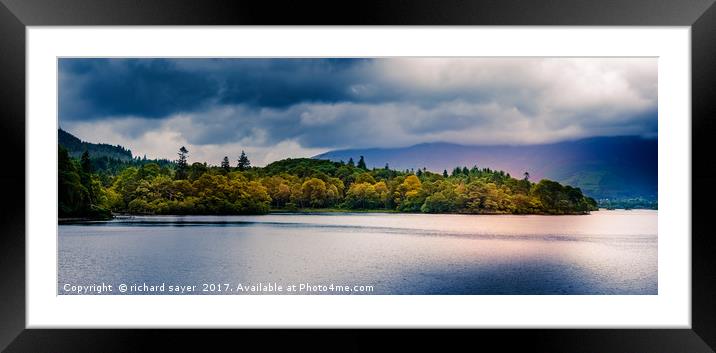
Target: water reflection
(607, 252)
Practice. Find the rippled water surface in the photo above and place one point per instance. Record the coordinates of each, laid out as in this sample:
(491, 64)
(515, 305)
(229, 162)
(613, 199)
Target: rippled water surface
(607, 252)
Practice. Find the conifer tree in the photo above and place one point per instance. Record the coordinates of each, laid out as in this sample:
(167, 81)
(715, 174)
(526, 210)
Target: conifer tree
(182, 165)
(225, 164)
(244, 162)
(361, 163)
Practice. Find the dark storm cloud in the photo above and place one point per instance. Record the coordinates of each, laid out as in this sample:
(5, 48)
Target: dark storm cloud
(157, 88)
(129, 87)
(341, 103)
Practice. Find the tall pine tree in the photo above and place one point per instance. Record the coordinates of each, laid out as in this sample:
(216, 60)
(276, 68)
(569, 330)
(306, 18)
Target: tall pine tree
(361, 163)
(182, 164)
(244, 162)
(86, 174)
(225, 164)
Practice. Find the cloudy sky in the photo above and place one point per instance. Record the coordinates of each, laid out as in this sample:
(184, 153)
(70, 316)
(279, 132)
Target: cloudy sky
(278, 108)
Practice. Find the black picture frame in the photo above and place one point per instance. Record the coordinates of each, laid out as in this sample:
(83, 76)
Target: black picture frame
(16, 15)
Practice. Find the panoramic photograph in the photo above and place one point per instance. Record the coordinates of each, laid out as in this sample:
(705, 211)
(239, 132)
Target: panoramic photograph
(357, 176)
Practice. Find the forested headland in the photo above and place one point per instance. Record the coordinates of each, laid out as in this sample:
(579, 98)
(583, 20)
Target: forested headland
(97, 187)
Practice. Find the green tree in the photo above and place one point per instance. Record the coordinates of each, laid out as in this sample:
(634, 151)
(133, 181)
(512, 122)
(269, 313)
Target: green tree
(456, 171)
(313, 192)
(436, 203)
(383, 193)
(149, 187)
(73, 197)
(362, 196)
(279, 189)
(225, 164)
(408, 196)
(80, 193)
(86, 175)
(182, 164)
(365, 178)
(196, 170)
(244, 162)
(361, 163)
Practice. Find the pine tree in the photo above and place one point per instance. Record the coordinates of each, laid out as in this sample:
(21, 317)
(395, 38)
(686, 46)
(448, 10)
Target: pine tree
(244, 162)
(351, 163)
(182, 165)
(86, 175)
(361, 163)
(386, 167)
(445, 173)
(456, 171)
(86, 163)
(225, 164)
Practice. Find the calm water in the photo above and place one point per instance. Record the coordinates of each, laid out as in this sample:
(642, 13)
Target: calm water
(607, 252)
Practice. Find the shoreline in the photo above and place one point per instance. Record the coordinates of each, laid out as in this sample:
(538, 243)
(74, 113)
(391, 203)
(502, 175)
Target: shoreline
(330, 211)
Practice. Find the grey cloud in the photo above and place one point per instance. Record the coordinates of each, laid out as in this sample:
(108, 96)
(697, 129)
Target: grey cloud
(340, 103)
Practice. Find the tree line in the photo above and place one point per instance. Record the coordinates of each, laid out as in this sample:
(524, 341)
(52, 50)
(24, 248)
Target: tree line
(302, 184)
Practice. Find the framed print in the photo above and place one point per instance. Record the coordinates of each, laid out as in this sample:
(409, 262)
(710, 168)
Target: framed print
(530, 175)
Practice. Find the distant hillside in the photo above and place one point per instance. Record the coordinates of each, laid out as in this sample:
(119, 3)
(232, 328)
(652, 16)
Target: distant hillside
(76, 147)
(603, 167)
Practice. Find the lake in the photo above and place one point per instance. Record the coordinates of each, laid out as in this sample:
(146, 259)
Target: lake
(606, 252)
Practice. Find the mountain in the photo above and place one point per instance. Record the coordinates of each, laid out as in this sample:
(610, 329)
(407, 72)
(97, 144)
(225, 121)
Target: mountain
(603, 167)
(76, 147)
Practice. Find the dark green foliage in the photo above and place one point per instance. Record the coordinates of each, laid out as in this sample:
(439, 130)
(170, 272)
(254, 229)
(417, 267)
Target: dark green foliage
(182, 164)
(80, 193)
(151, 187)
(225, 164)
(559, 199)
(196, 170)
(73, 197)
(304, 167)
(361, 163)
(111, 166)
(244, 162)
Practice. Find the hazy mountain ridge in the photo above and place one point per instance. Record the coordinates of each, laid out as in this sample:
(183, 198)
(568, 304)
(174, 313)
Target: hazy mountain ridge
(603, 167)
(76, 147)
